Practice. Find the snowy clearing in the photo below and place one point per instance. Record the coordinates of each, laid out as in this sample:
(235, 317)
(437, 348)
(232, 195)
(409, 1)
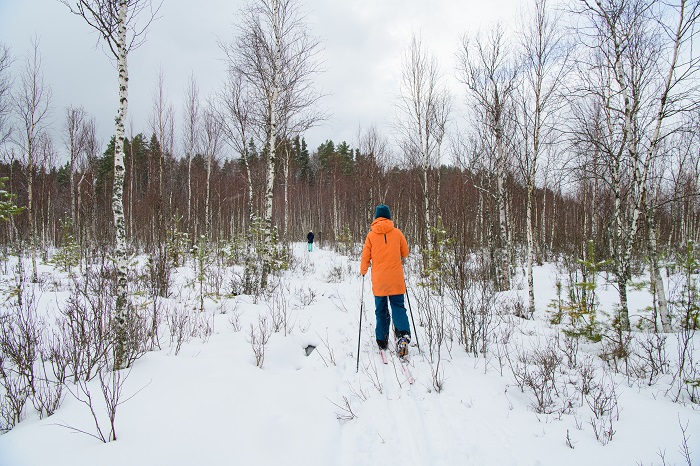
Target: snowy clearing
(211, 405)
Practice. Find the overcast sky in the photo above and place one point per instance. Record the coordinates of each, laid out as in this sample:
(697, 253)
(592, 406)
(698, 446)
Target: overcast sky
(362, 45)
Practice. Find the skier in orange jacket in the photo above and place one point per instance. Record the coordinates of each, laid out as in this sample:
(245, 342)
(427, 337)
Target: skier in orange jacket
(384, 250)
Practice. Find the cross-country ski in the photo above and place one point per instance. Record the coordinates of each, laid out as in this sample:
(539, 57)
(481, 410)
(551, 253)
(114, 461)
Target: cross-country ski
(382, 355)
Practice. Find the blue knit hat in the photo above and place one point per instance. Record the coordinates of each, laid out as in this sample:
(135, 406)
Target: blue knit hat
(382, 211)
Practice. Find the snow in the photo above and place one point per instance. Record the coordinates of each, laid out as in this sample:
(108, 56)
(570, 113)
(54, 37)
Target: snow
(210, 405)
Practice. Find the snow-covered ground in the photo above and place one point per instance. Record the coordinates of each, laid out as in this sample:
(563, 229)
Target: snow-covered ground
(211, 405)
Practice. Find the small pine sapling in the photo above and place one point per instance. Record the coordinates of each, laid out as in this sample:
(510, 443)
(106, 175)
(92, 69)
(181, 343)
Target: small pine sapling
(68, 256)
(582, 307)
(686, 308)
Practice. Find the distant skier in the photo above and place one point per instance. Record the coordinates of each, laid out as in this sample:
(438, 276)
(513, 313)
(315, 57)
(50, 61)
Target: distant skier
(385, 248)
(310, 240)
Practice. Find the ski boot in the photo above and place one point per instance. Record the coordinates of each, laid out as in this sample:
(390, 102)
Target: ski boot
(402, 346)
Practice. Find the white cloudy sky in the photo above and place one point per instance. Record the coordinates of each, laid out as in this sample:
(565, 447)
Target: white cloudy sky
(362, 39)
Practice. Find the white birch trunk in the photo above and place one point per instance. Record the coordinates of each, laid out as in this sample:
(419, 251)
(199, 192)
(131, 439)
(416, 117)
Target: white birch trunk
(480, 220)
(286, 192)
(192, 110)
(270, 179)
(503, 246)
(624, 244)
(530, 253)
(81, 231)
(93, 217)
(656, 278)
(543, 226)
(207, 200)
(72, 178)
(426, 204)
(553, 222)
(424, 139)
(189, 188)
(272, 142)
(30, 201)
(617, 248)
(336, 226)
(131, 189)
(120, 252)
(249, 185)
(651, 224)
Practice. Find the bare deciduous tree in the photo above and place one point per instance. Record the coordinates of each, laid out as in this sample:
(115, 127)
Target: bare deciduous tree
(639, 59)
(32, 104)
(235, 114)
(374, 156)
(162, 121)
(112, 19)
(489, 73)
(192, 135)
(211, 135)
(89, 173)
(75, 127)
(544, 56)
(276, 57)
(424, 106)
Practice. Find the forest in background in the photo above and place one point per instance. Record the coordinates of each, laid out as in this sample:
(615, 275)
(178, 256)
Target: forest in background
(333, 191)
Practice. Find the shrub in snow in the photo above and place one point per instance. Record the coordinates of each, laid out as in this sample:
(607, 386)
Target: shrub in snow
(259, 336)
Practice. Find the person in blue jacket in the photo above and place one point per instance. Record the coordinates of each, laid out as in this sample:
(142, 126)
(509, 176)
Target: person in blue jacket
(310, 240)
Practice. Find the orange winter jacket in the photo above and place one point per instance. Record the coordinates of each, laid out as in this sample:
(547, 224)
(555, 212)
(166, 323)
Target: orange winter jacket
(384, 248)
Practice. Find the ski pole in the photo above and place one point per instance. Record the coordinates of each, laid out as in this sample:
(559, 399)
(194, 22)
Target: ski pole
(415, 333)
(359, 335)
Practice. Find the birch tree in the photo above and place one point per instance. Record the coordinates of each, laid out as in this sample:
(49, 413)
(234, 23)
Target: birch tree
(235, 115)
(285, 194)
(276, 57)
(642, 51)
(544, 60)
(116, 22)
(75, 134)
(211, 144)
(44, 162)
(192, 135)
(236, 119)
(489, 73)
(88, 169)
(32, 103)
(674, 96)
(424, 106)
(162, 122)
(685, 186)
(374, 148)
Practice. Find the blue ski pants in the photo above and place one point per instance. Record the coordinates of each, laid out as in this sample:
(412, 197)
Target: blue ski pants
(398, 313)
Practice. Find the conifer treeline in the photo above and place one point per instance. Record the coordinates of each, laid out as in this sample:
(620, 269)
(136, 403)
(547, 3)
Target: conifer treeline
(332, 190)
